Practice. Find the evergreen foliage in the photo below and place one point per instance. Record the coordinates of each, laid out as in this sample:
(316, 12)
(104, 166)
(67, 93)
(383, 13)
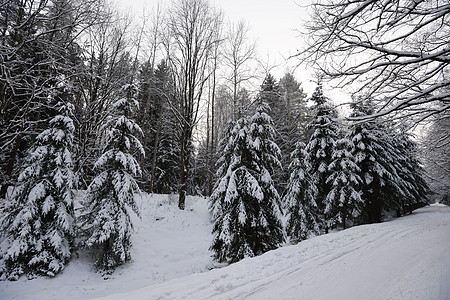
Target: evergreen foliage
(290, 120)
(436, 157)
(244, 203)
(38, 219)
(296, 115)
(105, 222)
(270, 93)
(415, 189)
(299, 200)
(288, 111)
(320, 148)
(378, 160)
(157, 120)
(343, 204)
(38, 53)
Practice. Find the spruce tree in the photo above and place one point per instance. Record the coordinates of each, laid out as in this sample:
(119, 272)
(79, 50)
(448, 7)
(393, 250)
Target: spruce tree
(392, 177)
(38, 218)
(165, 156)
(225, 152)
(157, 120)
(376, 158)
(320, 148)
(245, 204)
(270, 93)
(414, 188)
(299, 200)
(291, 120)
(39, 53)
(105, 223)
(436, 156)
(343, 204)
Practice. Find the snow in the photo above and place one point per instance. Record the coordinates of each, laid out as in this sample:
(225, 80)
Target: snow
(167, 243)
(406, 258)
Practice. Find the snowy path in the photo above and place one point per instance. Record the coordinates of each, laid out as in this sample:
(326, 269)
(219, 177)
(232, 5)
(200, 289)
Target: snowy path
(407, 258)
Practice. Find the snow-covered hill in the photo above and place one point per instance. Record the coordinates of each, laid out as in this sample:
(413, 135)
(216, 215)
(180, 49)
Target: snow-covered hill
(407, 258)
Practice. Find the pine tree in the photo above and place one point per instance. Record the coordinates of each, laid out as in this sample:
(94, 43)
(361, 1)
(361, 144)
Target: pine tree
(436, 156)
(301, 208)
(320, 148)
(37, 52)
(105, 223)
(244, 203)
(225, 152)
(291, 121)
(270, 93)
(158, 122)
(167, 174)
(343, 204)
(296, 116)
(414, 188)
(38, 219)
(376, 158)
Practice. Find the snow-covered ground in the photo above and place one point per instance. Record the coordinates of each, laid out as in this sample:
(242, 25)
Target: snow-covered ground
(168, 243)
(406, 258)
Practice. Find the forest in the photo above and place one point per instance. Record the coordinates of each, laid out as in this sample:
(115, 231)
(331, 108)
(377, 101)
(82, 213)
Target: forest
(181, 103)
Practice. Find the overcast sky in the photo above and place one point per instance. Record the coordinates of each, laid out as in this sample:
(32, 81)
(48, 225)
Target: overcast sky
(273, 24)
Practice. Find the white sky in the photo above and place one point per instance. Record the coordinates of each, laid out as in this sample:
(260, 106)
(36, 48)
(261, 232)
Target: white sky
(273, 26)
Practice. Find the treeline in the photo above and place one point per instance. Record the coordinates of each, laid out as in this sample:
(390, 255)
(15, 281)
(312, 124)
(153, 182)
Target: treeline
(340, 176)
(91, 101)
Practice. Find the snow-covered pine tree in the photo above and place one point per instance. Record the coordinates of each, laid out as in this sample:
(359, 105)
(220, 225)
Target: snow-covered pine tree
(436, 156)
(270, 93)
(320, 148)
(267, 156)
(343, 204)
(38, 218)
(376, 158)
(301, 208)
(105, 222)
(225, 152)
(414, 188)
(245, 204)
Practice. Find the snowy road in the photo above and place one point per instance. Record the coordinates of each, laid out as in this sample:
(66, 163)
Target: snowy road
(407, 258)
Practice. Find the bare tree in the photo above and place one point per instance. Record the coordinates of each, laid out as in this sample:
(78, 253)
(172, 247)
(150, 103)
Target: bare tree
(394, 51)
(152, 32)
(190, 40)
(239, 54)
(108, 67)
(39, 56)
(211, 117)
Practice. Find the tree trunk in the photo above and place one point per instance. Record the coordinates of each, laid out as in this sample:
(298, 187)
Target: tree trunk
(155, 151)
(212, 152)
(10, 165)
(183, 168)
